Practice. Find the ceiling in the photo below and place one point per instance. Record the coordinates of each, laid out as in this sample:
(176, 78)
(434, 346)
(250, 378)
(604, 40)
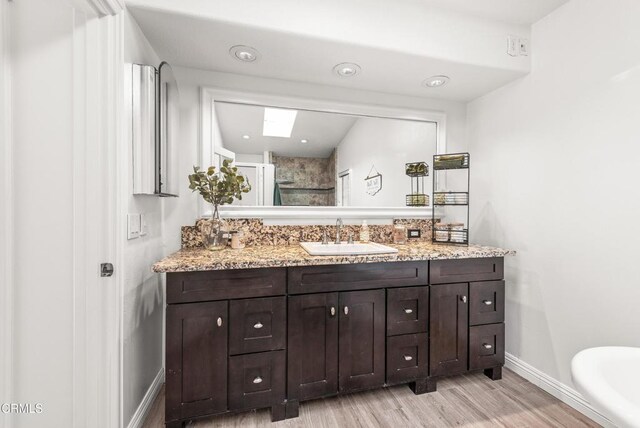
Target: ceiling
(396, 54)
(322, 130)
(522, 12)
(194, 42)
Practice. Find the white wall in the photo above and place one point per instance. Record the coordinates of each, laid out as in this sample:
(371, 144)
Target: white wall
(143, 300)
(388, 144)
(555, 175)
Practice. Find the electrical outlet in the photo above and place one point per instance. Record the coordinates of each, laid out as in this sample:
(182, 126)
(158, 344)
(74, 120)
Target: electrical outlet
(523, 47)
(413, 233)
(512, 45)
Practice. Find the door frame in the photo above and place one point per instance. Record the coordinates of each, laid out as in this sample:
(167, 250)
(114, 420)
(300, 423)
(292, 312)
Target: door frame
(98, 56)
(6, 214)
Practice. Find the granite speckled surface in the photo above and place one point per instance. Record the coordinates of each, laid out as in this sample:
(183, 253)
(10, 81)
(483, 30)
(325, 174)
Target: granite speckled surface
(257, 233)
(199, 259)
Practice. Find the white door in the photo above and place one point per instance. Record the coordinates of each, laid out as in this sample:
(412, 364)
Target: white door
(65, 83)
(261, 176)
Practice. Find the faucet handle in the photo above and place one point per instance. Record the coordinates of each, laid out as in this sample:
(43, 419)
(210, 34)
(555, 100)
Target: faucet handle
(350, 241)
(325, 237)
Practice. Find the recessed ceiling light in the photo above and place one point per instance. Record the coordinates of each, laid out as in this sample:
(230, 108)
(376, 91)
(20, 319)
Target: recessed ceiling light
(278, 122)
(347, 69)
(435, 81)
(244, 53)
(303, 141)
(246, 137)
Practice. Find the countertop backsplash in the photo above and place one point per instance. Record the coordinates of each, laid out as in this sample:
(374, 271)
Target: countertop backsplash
(256, 233)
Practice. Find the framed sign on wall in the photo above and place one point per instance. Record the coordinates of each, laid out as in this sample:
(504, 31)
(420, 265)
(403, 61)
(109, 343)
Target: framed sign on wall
(373, 181)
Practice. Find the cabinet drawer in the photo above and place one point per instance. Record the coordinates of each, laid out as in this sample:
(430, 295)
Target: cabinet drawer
(185, 287)
(314, 279)
(256, 380)
(486, 302)
(407, 358)
(407, 310)
(486, 346)
(466, 270)
(257, 325)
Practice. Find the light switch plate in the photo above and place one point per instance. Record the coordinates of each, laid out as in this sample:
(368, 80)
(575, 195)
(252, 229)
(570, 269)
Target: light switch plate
(143, 225)
(133, 226)
(512, 45)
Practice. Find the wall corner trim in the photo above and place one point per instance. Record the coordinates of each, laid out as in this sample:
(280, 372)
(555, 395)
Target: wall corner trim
(556, 388)
(138, 418)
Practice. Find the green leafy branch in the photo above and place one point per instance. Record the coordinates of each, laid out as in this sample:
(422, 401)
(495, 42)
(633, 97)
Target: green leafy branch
(219, 188)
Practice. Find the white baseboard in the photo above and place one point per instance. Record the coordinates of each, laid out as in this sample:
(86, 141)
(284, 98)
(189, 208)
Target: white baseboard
(147, 401)
(559, 390)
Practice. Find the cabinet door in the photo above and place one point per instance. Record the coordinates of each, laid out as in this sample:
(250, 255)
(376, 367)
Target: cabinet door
(313, 346)
(448, 329)
(362, 340)
(196, 359)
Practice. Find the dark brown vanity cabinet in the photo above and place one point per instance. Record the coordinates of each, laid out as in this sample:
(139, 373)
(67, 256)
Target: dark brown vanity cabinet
(255, 338)
(313, 346)
(226, 341)
(196, 378)
(448, 329)
(336, 343)
(466, 324)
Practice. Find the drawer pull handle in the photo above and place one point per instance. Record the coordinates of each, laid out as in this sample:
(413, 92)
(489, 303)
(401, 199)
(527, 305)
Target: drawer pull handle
(487, 302)
(332, 311)
(408, 311)
(219, 322)
(408, 358)
(487, 346)
(464, 299)
(258, 325)
(258, 379)
(346, 310)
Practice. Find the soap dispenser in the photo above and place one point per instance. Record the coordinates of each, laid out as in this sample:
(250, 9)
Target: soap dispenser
(364, 232)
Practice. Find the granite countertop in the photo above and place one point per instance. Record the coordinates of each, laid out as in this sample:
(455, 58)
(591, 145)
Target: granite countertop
(199, 259)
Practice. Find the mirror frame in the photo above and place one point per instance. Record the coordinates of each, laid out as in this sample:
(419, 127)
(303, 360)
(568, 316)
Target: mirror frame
(207, 148)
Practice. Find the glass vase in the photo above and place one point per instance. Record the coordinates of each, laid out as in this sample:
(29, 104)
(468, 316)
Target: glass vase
(214, 232)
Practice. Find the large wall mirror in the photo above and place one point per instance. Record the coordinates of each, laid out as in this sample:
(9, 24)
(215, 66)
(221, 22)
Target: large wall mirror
(309, 158)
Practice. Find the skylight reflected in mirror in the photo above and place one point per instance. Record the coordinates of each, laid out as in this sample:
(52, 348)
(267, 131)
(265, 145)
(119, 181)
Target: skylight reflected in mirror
(278, 122)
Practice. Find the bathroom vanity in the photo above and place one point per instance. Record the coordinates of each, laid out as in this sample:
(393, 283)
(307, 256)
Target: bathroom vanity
(250, 338)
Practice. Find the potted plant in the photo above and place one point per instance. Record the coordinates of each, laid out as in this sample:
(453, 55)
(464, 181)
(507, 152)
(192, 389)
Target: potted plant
(217, 188)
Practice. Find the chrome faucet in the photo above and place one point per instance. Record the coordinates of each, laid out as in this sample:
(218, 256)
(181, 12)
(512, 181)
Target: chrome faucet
(338, 227)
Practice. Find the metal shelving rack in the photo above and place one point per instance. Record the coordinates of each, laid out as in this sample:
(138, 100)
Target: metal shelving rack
(417, 171)
(443, 200)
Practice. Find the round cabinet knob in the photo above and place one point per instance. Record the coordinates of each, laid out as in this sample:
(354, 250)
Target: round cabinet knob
(219, 322)
(258, 325)
(408, 358)
(346, 310)
(488, 302)
(487, 346)
(332, 311)
(464, 299)
(408, 311)
(257, 379)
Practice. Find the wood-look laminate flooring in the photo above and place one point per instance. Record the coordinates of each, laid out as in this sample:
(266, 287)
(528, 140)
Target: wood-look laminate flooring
(470, 400)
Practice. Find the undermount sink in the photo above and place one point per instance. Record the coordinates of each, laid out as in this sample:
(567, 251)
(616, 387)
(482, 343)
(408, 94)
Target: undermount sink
(608, 377)
(345, 249)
